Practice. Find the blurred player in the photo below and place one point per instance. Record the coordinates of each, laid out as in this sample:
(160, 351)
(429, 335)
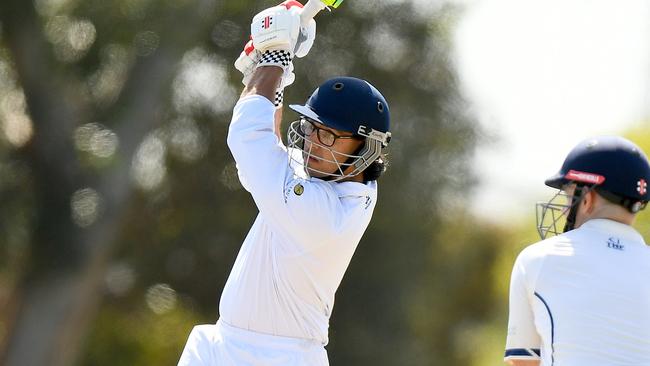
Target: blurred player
(583, 297)
(315, 200)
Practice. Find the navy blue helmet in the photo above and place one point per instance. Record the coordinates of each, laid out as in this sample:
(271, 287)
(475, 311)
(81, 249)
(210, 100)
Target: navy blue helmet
(348, 104)
(616, 167)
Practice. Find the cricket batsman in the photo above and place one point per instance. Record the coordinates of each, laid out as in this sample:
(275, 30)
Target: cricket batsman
(582, 298)
(315, 199)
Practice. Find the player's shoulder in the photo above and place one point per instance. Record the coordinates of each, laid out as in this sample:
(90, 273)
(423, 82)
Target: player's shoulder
(540, 250)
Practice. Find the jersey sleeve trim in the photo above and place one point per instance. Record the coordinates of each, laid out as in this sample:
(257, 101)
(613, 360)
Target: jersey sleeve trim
(522, 354)
(550, 315)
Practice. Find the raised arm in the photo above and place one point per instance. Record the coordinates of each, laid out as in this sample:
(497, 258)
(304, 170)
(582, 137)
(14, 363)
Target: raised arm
(278, 123)
(277, 35)
(264, 81)
(262, 160)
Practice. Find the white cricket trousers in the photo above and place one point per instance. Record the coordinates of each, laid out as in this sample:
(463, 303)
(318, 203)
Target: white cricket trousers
(224, 345)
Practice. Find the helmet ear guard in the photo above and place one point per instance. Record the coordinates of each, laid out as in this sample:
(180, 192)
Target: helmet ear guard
(369, 153)
(370, 162)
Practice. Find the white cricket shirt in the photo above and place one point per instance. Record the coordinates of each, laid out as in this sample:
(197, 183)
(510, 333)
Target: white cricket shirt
(295, 254)
(582, 298)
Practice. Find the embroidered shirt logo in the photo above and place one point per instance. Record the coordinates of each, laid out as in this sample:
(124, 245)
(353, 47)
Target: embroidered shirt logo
(368, 201)
(615, 243)
(298, 189)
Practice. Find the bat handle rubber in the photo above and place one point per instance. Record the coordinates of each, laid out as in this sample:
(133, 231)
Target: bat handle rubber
(310, 10)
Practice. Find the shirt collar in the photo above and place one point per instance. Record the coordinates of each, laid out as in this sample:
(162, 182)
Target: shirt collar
(614, 228)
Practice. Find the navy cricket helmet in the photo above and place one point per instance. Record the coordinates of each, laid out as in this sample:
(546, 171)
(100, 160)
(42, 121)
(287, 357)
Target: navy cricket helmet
(348, 104)
(352, 105)
(616, 167)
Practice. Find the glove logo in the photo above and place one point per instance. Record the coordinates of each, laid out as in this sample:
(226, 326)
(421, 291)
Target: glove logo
(267, 21)
(641, 186)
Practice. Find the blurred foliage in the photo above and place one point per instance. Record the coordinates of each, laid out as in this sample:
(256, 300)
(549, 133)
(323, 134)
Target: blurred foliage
(147, 86)
(137, 336)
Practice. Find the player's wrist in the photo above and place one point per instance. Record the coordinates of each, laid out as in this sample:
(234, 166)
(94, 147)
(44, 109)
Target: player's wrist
(276, 57)
(279, 58)
(264, 81)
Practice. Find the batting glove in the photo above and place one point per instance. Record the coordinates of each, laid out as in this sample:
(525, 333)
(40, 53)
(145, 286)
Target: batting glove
(250, 58)
(247, 61)
(276, 37)
(280, 28)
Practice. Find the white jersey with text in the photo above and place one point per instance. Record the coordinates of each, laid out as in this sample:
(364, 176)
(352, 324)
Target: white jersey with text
(582, 298)
(293, 259)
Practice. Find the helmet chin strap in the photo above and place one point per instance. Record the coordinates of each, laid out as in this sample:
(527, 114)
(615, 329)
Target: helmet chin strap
(573, 211)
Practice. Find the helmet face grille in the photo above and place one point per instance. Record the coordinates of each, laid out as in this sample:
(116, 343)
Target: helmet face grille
(296, 140)
(557, 216)
(551, 216)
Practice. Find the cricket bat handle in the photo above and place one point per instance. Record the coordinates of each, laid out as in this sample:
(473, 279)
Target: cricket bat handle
(312, 8)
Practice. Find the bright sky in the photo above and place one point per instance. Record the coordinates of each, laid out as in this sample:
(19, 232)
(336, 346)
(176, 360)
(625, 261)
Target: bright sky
(543, 75)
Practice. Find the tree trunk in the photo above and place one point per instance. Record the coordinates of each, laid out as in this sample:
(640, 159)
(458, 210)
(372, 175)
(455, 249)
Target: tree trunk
(59, 292)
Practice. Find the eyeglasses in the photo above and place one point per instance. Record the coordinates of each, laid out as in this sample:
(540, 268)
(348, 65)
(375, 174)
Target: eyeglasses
(326, 137)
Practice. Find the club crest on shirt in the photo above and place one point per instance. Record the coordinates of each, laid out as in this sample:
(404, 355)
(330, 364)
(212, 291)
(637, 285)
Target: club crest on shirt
(615, 243)
(298, 189)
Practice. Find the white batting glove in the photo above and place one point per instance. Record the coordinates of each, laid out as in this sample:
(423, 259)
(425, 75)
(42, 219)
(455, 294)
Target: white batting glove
(248, 61)
(276, 37)
(276, 28)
